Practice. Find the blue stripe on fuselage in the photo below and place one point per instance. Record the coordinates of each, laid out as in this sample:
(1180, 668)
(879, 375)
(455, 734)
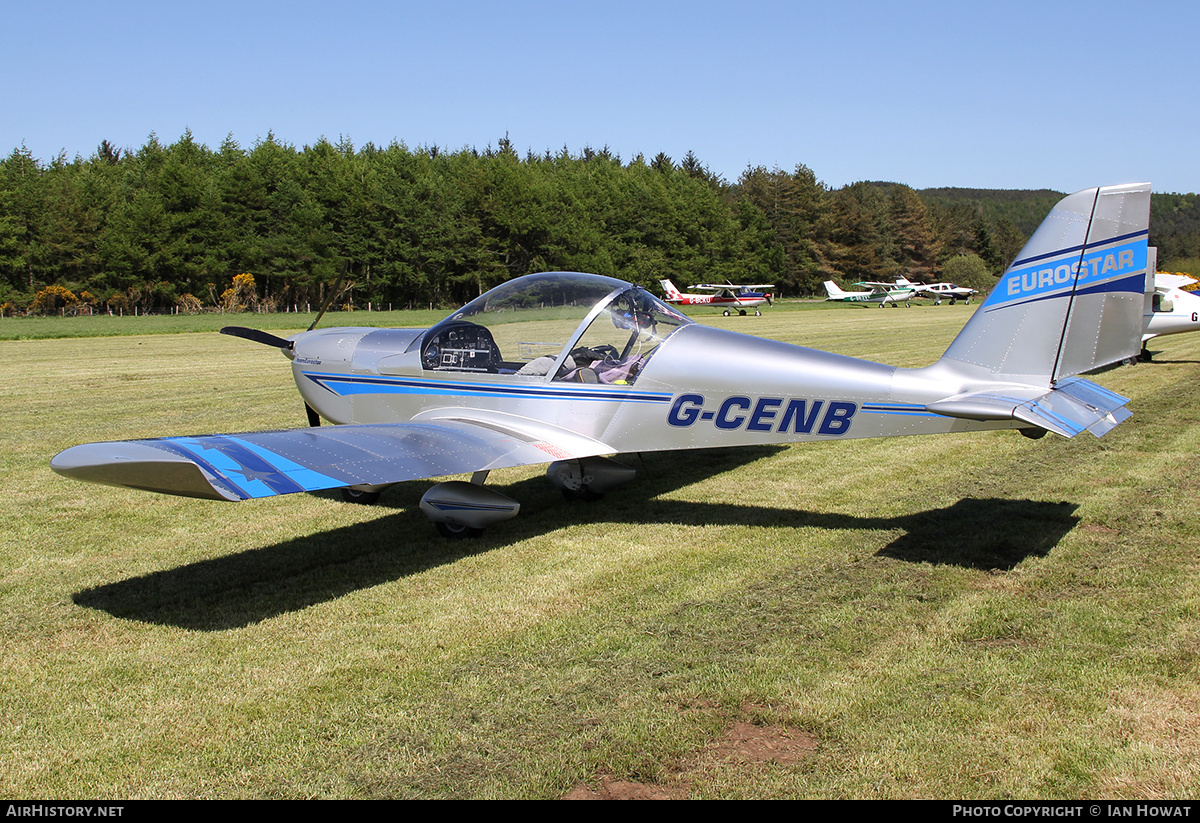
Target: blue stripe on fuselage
(343, 385)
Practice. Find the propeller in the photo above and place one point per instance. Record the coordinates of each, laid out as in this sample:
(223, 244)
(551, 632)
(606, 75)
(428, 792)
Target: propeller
(258, 336)
(268, 339)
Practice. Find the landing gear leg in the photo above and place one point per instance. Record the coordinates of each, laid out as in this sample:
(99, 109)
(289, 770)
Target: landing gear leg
(588, 478)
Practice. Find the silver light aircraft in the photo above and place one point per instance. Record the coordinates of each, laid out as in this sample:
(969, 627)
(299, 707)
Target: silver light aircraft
(595, 367)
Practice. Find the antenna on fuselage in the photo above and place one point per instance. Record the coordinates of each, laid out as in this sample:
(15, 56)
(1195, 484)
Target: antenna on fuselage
(336, 292)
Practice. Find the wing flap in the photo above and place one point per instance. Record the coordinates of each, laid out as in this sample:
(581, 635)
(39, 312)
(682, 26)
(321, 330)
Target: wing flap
(265, 464)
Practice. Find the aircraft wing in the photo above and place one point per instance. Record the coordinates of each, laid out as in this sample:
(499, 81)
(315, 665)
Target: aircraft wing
(1074, 405)
(883, 287)
(1172, 281)
(265, 464)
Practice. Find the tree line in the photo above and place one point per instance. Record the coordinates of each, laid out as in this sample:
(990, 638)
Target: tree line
(186, 227)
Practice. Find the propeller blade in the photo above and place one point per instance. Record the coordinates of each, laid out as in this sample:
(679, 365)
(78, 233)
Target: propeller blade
(258, 336)
(314, 419)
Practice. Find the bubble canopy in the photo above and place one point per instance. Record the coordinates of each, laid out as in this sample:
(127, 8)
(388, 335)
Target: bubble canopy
(553, 325)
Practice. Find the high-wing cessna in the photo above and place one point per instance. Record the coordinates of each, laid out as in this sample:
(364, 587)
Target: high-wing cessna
(726, 296)
(881, 293)
(1172, 310)
(937, 291)
(602, 367)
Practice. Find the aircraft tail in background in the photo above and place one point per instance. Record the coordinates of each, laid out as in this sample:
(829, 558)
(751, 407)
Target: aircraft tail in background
(669, 289)
(832, 290)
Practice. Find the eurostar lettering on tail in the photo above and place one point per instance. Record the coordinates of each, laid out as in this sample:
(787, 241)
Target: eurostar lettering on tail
(605, 368)
(1127, 261)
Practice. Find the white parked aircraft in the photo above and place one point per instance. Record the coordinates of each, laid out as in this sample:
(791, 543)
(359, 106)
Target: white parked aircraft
(938, 291)
(881, 293)
(726, 297)
(1172, 309)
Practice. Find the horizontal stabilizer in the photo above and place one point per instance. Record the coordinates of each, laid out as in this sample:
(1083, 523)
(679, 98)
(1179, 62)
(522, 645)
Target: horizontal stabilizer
(1072, 406)
(265, 464)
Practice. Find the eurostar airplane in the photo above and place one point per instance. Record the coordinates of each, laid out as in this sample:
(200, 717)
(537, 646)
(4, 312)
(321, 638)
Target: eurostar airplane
(881, 293)
(725, 297)
(601, 367)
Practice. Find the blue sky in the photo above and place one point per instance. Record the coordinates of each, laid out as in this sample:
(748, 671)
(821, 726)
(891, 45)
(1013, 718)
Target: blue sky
(1015, 94)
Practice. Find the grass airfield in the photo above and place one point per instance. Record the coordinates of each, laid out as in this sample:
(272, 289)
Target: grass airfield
(962, 616)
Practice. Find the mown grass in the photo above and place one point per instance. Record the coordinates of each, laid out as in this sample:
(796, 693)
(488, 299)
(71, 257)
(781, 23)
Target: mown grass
(977, 616)
(105, 325)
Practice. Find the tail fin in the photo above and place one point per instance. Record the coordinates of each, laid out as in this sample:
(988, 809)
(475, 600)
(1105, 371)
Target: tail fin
(1072, 300)
(669, 289)
(832, 290)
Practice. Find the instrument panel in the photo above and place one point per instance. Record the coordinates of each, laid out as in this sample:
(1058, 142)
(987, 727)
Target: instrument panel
(465, 347)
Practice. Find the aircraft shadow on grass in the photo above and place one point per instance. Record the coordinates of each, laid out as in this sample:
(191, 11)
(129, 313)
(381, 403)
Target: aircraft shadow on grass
(245, 588)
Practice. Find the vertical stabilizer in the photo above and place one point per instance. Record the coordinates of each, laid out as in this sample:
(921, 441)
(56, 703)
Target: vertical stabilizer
(1072, 300)
(833, 290)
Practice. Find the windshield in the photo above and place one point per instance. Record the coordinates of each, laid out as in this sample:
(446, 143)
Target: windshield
(555, 325)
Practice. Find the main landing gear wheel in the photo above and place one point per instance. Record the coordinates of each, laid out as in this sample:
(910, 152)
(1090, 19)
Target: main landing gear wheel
(361, 497)
(455, 531)
(584, 495)
(757, 313)
(726, 312)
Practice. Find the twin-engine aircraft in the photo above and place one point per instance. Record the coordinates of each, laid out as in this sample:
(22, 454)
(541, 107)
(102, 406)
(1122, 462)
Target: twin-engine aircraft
(881, 293)
(567, 369)
(727, 296)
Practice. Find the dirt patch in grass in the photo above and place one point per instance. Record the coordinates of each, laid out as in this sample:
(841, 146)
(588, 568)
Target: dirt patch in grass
(743, 742)
(763, 744)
